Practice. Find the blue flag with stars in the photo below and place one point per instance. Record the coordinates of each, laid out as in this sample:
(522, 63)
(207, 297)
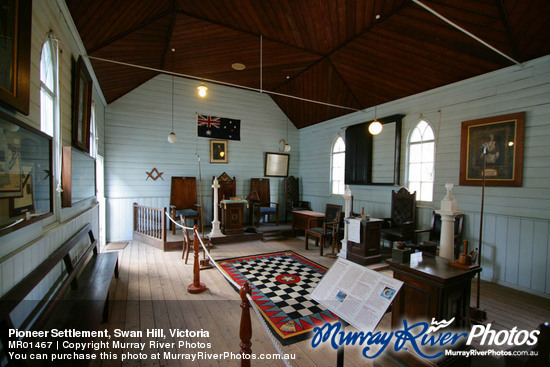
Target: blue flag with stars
(218, 127)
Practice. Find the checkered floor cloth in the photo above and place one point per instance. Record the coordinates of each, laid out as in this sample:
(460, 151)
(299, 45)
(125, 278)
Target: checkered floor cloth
(281, 283)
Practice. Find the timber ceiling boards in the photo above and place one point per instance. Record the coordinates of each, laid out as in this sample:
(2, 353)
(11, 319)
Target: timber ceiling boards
(331, 51)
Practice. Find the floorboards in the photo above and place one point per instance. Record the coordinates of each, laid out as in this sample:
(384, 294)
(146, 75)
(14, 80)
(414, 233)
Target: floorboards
(151, 293)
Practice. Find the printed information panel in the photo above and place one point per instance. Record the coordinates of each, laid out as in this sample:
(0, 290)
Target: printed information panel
(358, 295)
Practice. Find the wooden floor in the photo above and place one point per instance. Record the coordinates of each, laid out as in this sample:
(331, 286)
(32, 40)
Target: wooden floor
(151, 292)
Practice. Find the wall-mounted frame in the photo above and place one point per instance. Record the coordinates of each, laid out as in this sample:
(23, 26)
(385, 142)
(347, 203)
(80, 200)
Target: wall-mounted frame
(218, 151)
(77, 177)
(276, 164)
(82, 106)
(26, 183)
(502, 139)
(374, 160)
(15, 58)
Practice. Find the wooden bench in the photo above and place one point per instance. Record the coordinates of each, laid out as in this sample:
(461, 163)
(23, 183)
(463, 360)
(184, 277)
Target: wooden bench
(79, 300)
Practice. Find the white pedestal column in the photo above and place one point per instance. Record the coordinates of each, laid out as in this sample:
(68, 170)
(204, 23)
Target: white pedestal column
(447, 240)
(448, 214)
(344, 250)
(216, 231)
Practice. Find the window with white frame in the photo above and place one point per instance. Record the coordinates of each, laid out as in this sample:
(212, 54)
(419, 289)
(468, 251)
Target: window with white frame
(48, 86)
(421, 161)
(93, 133)
(338, 166)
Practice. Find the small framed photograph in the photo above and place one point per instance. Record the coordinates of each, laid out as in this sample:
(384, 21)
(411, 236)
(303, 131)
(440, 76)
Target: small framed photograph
(218, 151)
(276, 164)
(491, 149)
(82, 107)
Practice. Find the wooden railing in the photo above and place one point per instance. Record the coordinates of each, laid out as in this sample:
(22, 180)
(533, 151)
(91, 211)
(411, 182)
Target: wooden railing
(150, 225)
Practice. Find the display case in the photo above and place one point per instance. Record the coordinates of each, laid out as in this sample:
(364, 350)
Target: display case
(77, 177)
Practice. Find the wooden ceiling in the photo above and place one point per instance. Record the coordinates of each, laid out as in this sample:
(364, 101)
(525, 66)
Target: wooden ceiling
(338, 52)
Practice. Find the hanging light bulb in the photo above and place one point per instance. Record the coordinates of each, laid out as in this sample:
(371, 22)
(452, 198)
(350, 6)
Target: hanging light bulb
(172, 138)
(202, 90)
(375, 127)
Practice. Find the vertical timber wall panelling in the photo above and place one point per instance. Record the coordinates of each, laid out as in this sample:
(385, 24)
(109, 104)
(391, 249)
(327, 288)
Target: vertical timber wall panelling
(516, 220)
(137, 127)
(21, 251)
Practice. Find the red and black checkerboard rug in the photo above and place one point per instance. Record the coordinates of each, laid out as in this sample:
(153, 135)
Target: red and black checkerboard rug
(281, 284)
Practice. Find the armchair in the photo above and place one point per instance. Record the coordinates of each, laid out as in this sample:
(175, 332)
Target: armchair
(292, 196)
(183, 201)
(434, 234)
(264, 207)
(328, 227)
(401, 225)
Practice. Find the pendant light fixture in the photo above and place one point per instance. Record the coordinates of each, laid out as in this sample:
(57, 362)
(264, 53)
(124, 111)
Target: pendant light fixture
(201, 89)
(286, 146)
(172, 138)
(375, 127)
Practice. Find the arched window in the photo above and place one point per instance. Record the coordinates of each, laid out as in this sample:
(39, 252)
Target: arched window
(338, 166)
(421, 161)
(48, 87)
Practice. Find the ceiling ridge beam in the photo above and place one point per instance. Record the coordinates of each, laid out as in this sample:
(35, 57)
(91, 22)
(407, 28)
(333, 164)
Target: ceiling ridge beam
(249, 33)
(507, 27)
(129, 31)
(346, 84)
(169, 35)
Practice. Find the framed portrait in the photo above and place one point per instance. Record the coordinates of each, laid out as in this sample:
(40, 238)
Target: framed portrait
(276, 164)
(82, 106)
(492, 149)
(15, 58)
(218, 151)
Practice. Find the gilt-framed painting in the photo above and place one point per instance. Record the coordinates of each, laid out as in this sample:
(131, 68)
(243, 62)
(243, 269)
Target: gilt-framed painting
(82, 107)
(492, 150)
(218, 151)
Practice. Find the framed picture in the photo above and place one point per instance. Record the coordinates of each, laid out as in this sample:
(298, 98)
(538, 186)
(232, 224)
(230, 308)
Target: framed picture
(492, 148)
(218, 151)
(25, 203)
(15, 58)
(276, 164)
(82, 106)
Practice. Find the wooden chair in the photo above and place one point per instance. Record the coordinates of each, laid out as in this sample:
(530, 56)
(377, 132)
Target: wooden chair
(226, 191)
(434, 234)
(328, 227)
(187, 245)
(401, 225)
(264, 207)
(292, 196)
(183, 201)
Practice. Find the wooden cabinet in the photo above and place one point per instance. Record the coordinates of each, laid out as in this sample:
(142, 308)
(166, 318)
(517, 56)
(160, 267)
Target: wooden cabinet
(432, 289)
(367, 251)
(232, 217)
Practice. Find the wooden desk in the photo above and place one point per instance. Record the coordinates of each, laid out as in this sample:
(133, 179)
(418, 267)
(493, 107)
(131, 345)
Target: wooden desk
(367, 251)
(301, 218)
(432, 289)
(232, 216)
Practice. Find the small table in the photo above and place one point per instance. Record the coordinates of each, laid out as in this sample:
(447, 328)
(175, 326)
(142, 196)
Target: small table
(301, 218)
(232, 216)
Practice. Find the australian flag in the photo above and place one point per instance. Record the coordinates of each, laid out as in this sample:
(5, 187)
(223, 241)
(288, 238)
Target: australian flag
(218, 127)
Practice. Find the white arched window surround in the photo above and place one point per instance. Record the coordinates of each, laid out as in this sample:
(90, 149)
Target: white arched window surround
(421, 160)
(337, 166)
(49, 106)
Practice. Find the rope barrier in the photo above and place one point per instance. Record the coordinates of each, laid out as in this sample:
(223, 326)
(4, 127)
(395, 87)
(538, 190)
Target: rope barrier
(237, 286)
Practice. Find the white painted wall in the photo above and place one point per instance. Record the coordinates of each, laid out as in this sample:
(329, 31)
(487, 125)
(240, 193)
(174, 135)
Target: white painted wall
(517, 220)
(22, 250)
(137, 126)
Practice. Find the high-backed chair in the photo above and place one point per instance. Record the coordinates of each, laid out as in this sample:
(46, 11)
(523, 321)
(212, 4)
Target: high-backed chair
(401, 225)
(183, 201)
(325, 228)
(226, 191)
(292, 196)
(434, 235)
(264, 207)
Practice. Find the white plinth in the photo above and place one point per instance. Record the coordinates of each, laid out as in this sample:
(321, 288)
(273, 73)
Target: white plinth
(216, 231)
(447, 240)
